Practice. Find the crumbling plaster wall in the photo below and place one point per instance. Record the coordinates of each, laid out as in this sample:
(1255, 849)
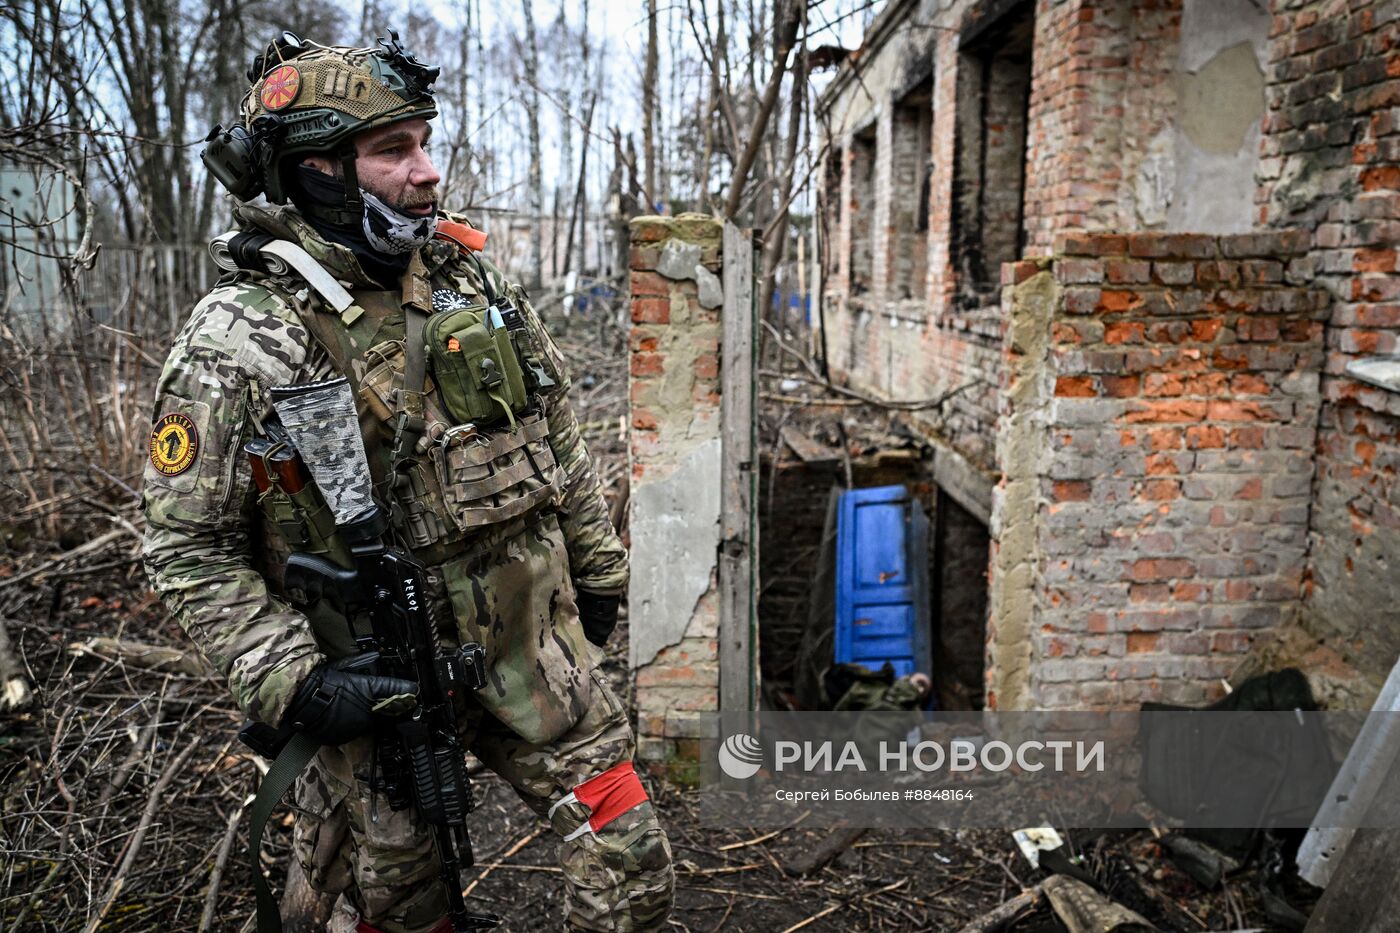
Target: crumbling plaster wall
(675, 459)
(1145, 116)
(1214, 136)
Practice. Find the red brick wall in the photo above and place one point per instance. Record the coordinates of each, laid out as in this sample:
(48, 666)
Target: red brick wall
(1164, 461)
(1331, 162)
(1101, 85)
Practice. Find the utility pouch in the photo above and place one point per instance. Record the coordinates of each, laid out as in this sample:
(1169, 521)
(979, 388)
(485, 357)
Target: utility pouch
(475, 366)
(291, 502)
(492, 477)
(415, 505)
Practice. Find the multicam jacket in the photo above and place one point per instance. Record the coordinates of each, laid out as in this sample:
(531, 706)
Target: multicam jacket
(507, 546)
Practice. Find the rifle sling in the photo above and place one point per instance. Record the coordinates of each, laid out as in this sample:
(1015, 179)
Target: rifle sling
(294, 757)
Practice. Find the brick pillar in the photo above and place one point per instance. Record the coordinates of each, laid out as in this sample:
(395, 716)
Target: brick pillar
(675, 458)
(1156, 442)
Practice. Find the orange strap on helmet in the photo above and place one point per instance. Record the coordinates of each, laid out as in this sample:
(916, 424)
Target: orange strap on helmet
(467, 238)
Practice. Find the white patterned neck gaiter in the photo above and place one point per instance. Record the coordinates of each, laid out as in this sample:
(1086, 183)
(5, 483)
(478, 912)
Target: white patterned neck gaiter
(392, 232)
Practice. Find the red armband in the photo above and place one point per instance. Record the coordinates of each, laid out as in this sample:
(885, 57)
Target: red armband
(607, 796)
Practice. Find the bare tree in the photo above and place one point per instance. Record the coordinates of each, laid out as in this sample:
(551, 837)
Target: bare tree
(532, 112)
(649, 104)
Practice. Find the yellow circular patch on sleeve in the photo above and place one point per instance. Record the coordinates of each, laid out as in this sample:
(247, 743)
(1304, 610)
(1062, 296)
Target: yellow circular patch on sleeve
(174, 444)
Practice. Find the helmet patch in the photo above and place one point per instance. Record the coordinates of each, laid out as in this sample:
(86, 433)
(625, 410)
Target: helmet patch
(174, 444)
(280, 88)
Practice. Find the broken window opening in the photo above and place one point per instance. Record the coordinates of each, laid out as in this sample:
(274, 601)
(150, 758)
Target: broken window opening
(861, 211)
(993, 101)
(912, 168)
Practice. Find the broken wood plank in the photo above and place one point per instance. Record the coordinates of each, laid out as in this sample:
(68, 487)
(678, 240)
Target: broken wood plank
(814, 858)
(1001, 916)
(738, 620)
(808, 450)
(138, 654)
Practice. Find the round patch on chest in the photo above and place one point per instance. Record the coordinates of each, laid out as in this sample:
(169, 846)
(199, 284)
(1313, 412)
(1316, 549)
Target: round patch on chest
(174, 444)
(445, 299)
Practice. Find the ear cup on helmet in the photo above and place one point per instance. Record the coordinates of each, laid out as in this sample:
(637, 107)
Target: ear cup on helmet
(231, 158)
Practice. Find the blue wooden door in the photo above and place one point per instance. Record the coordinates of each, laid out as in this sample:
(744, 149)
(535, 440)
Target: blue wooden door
(882, 580)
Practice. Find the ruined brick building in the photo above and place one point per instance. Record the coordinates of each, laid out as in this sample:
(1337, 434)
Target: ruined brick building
(1144, 240)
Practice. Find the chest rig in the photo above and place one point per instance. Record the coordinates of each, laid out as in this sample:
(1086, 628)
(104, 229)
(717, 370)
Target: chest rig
(451, 383)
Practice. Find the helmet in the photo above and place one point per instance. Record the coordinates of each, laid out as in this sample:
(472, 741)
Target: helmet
(307, 98)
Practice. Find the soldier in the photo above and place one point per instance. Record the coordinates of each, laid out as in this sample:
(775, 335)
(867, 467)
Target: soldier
(855, 687)
(480, 464)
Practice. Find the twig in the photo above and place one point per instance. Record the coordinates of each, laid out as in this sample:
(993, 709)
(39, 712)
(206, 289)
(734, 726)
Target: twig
(133, 846)
(137, 654)
(835, 907)
(522, 843)
(96, 544)
(123, 772)
(216, 876)
(723, 870)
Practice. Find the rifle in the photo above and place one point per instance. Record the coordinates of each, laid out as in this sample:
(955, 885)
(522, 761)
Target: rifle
(420, 758)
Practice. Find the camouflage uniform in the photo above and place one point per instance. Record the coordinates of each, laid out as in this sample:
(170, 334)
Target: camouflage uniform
(878, 691)
(502, 576)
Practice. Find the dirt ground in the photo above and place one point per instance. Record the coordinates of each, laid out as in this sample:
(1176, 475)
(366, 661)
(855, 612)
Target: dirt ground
(121, 783)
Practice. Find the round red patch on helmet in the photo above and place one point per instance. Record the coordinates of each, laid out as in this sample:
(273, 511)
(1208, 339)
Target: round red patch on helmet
(280, 88)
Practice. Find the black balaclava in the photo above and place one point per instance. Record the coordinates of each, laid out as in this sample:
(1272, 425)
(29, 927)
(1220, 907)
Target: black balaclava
(321, 200)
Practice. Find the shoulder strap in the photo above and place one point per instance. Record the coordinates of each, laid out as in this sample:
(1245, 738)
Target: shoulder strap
(261, 252)
(410, 423)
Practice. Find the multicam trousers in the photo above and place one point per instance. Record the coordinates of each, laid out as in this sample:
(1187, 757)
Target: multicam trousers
(618, 878)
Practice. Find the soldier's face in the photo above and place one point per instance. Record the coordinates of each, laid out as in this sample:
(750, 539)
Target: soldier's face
(392, 163)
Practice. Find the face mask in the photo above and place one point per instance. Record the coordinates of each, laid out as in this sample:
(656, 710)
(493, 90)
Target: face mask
(392, 232)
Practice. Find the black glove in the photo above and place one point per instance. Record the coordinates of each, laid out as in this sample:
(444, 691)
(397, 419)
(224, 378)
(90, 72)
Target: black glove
(598, 613)
(336, 703)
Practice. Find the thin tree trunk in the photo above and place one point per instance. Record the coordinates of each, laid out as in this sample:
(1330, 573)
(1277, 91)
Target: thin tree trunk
(536, 182)
(775, 246)
(579, 190)
(712, 110)
(649, 76)
(585, 140)
(783, 38)
(566, 136)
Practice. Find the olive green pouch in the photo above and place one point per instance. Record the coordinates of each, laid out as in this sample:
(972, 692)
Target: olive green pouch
(474, 366)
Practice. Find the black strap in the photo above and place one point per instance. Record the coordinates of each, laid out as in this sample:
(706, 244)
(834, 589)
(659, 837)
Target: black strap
(245, 249)
(279, 778)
